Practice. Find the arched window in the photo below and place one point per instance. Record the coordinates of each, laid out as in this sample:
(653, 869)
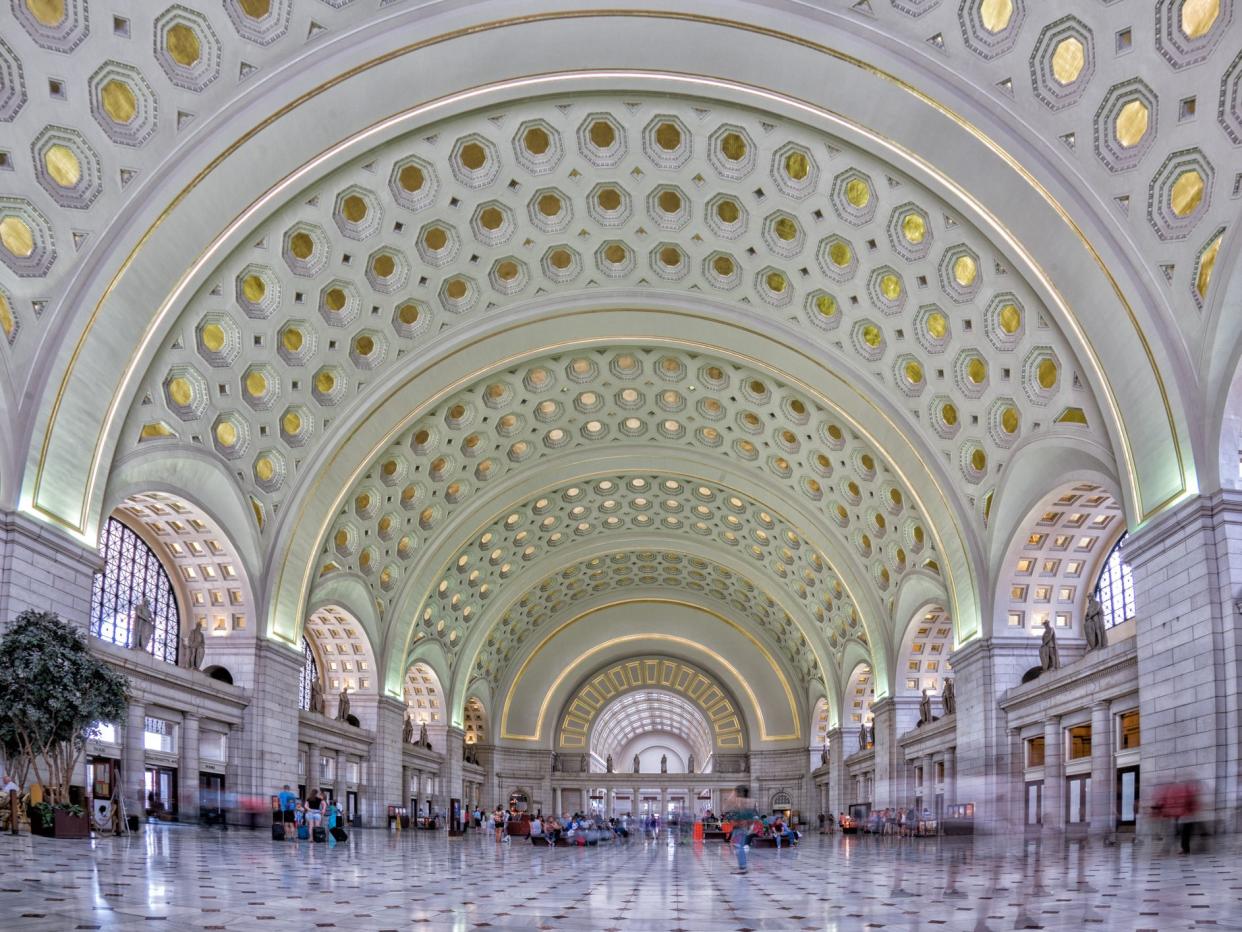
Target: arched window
(133, 574)
(310, 673)
(1115, 588)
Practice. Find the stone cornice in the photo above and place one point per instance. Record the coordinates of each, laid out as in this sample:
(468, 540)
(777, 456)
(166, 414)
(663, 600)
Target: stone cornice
(1110, 672)
(323, 730)
(49, 538)
(204, 695)
(940, 734)
(1198, 513)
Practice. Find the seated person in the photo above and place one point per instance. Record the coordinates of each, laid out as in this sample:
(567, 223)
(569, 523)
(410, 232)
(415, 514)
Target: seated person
(551, 830)
(536, 828)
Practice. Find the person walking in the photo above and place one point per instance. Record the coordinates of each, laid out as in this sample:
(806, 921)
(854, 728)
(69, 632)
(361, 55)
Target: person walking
(288, 802)
(314, 811)
(744, 817)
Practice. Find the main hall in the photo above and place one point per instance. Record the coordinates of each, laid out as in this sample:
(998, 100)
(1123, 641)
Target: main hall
(797, 422)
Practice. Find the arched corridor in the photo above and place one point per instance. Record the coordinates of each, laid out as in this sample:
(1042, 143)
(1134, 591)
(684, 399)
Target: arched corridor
(828, 410)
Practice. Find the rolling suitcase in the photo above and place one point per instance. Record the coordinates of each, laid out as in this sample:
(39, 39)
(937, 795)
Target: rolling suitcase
(278, 831)
(303, 832)
(318, 833)
(340, 834)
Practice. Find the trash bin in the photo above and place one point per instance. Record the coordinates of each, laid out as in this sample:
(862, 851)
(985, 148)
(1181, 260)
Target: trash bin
(133, 823)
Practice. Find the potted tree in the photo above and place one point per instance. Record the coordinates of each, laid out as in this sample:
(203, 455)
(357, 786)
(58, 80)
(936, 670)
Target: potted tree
(53, 691)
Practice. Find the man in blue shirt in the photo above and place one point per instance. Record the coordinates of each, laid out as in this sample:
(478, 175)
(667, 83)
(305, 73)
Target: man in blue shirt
(288, 810)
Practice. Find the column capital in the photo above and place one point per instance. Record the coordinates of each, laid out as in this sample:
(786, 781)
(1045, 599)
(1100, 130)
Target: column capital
(1102, 706)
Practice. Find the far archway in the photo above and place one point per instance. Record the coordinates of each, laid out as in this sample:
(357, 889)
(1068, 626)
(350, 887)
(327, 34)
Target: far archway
(657, 728)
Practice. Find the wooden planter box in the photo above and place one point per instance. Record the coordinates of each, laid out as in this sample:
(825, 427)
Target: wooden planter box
(70, 826)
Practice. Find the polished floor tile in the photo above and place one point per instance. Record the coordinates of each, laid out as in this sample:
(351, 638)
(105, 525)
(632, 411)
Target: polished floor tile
(173, 877)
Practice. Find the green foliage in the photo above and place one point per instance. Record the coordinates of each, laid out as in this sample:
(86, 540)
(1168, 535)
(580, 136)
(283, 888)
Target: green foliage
(47, 812)
(52, 692)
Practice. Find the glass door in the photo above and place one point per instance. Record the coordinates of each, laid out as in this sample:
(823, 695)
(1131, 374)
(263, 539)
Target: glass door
(1035, 803)
(161, 788)
(1127, 797)
(211, 791)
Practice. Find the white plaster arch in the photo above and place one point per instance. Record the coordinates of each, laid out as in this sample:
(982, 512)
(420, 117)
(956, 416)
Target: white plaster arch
(466, 670)
(197, 478)
(337, 475)
(344, 652)
(771, 710)
(933, 136)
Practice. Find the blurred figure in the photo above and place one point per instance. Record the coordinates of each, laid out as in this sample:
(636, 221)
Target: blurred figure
(1179, 804)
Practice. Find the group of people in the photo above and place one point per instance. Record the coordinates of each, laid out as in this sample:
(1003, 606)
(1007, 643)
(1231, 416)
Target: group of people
(576, 829)
(302, 816)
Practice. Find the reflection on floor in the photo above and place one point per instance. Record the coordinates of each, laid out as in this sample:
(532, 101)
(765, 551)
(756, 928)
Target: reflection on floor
(183, 877)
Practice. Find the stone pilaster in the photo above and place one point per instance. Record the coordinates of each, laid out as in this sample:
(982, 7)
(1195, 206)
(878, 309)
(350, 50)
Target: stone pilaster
(1054, 774)
(384, 787)
(838, 797)
(884, 724)
(1187, 566)
(267, 743)
(1103, 773)
(983, 670)
(450, 768)
(187, 771)
(43, 568)
(133, 760)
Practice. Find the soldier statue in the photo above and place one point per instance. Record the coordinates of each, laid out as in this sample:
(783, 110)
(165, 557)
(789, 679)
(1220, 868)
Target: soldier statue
(423, 740)
(342, 705)
(316, 696)
(636, 770)
(407, 729)
(608, 763)
(690, 764)
(663, 763)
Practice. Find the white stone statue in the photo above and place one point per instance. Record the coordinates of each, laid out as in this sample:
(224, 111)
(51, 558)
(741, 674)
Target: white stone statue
(862, 737)
(316, 696)
(663, 763)
(195, 647)
(141, 626)
(342, 705)
(407, 729)
(1093, 625)
(1049, 656)
(636, 767)
(423, 740)
(925, 713)
(690, 764)
(948, 698)
(608, 763)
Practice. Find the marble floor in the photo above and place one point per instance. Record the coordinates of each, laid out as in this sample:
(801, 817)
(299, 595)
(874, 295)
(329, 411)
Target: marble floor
(184, 877)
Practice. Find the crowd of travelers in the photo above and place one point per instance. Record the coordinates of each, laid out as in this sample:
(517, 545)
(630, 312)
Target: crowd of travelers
(300, 819)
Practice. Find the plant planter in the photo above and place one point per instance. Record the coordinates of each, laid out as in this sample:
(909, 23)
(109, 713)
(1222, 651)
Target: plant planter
(67, 825)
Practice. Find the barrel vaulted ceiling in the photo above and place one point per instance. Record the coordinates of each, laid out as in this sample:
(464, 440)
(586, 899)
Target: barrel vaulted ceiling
(556, 472)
